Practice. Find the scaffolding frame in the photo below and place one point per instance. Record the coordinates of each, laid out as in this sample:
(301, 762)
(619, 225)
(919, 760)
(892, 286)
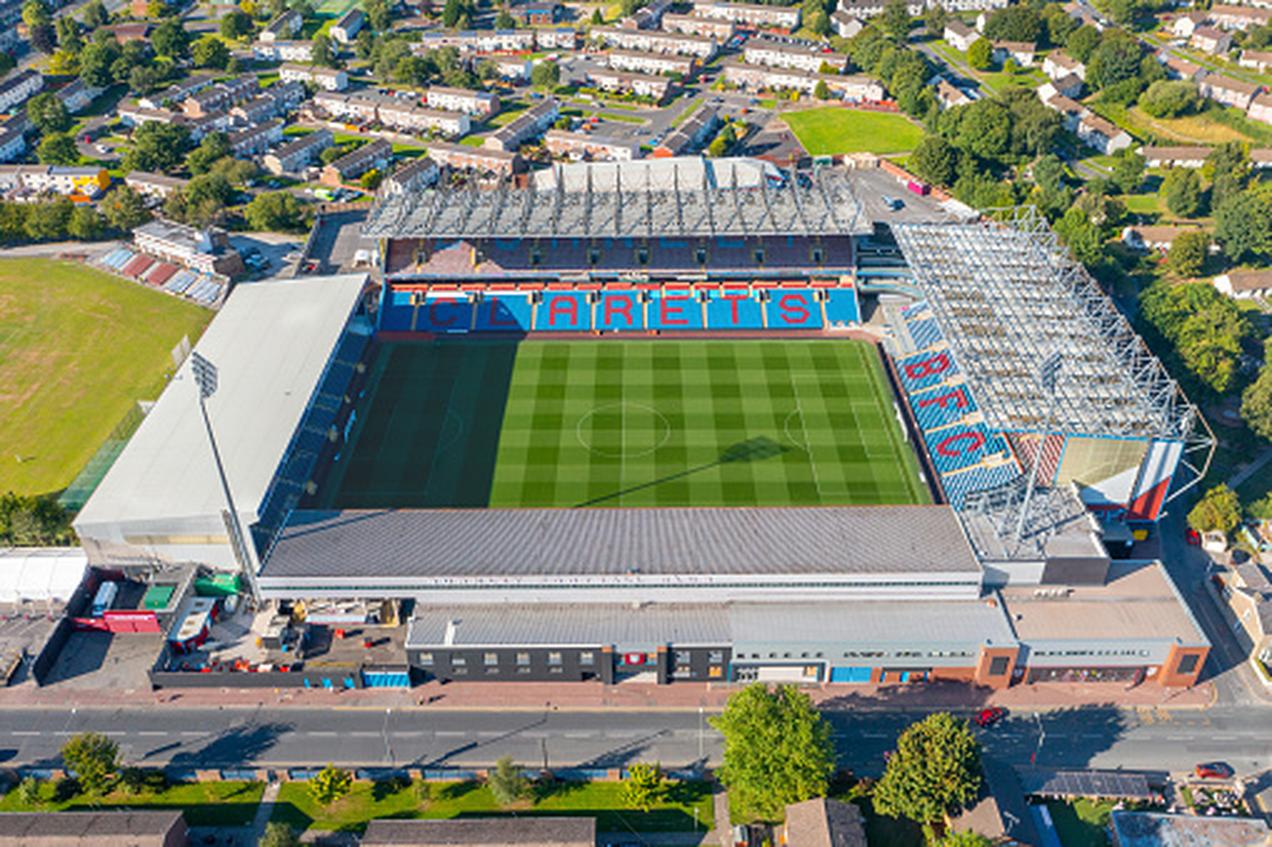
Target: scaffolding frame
(662, 206)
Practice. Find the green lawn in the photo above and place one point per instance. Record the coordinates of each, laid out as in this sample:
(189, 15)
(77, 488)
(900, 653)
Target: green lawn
(603, 800)
(832, 130)
(204, 803)
(626, 424)
(1082, 823)
(78, 348)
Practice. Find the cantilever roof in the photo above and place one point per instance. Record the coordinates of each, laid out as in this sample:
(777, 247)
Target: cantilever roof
(666, 197)
(1008, 296)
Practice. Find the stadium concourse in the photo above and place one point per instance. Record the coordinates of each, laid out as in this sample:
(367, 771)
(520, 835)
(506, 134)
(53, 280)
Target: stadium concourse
(666, 421)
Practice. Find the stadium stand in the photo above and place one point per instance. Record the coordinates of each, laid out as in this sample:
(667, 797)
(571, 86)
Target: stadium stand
(564, 311)
(793, 309)
(926, 333)
(957, 486)
(842, 308)
(939, 407)
(510, 311)
(734, 308)
(618, 310)
(137, 266)
(675, 308)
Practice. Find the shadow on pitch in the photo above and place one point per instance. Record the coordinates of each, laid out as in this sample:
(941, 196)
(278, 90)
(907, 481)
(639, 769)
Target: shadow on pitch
(752, 450)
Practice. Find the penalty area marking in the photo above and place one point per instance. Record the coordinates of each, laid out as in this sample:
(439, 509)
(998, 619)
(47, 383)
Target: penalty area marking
(623, 453)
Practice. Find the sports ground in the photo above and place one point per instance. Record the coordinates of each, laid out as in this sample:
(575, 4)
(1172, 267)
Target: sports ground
(835, 130)
(501, 423)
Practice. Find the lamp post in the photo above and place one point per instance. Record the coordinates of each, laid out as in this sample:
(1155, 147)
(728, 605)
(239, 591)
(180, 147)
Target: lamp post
(206, 378)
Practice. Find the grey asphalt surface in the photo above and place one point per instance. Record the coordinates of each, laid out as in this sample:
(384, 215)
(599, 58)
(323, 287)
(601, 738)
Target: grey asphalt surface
(190, 737)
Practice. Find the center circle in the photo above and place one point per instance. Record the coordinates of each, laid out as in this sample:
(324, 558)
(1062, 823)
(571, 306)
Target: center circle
(623, 430)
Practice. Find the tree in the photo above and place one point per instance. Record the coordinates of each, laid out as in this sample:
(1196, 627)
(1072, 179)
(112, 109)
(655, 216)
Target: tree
(36, 13)
(371, 179)
(505, 20)
(157, 147)
(1243, 226)
(1081, 235)
(777, 750)
(1182, 189)
(1116, 59)
(965, 839)
(598, 17)
(1187, 254)
(1256, 406)
(278, 834)
(212, 147)
(57, 148)
(506, 783)
(934, 19)
(1128, 171)
(643, 787)
(935, 771)
(275, 211)
(1217, 511)
(984, 129)
(210, 52)
(44, 39)
(379, 14)
(202, 201)
(48, 221)
(237, 24)
(124, 209)
(821, 90)
(94, 759)
(980, 54)
(458, 13)
(68, 34)
(545, 75)
(896, 19)
(86, 224)
(29, 791)
(1014, 23)
(95, 15)
(935, 160)
(329, 785)
(29, 520)
(48, 113)
(96, 60)
(1081, 43)
(171, 40)
(1170, 99)
(1205, 327)
(324, 54)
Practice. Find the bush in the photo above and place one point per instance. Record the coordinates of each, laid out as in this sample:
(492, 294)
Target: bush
(329, 785)
(1170, 99)
(506, 783)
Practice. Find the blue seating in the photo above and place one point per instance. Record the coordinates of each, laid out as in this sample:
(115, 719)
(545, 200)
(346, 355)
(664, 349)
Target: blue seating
(734, 309)
(793, 309)
(620, 310)
(957, 447)
(842, 307)
(924, 370)
(677, 309)
(450, 312)
(564, 311)
(958, 485)
(505, 312)
(938, 407)
(925, 333)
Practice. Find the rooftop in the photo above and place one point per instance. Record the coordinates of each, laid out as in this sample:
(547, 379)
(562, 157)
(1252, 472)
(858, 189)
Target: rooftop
(523, 831)
(1154, 829)
(95, 829)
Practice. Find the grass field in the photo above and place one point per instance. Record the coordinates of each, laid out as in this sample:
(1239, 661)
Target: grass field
(626, 424)
(77, 349)
(833, 130)
(204, 803)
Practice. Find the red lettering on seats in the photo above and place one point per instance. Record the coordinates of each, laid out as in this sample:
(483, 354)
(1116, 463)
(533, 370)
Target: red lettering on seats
(496, 319)
(666, 311)
(734, 299)
(432, 312)
(935, 365)
(563, 305)
(958, 395)
(793, 309)
(620, 304)
(978, 440)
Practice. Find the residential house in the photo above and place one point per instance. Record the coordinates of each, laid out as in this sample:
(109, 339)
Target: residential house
(704, 27)
(221, 96)
(531, 123)
(1159, 238)
(648, 16)
(294, 156)
(822, 822)
(12, 144)
(1067, 86)
(845, 25)
(18, 87)
(1210, 40)
(407, 116)
(1260, 108)
(126, 32)
(657, 42)
(586, 145)
(34, 181)
(959, 35)
(1159, 829)
(870, 8)
(256, 139)
(1174, 157)
(514, 68)
(538, 12)
(346, 29)
(810, 59)
(206, 124)
(1242, 284)
(1096, 132)
(204, 250)
(1261, 158)
(153, 185)
(1059, 64)
(482, 41)
(283, 51)
(1228, 91)
(999, 812)
(1239, 17)
(1083, 14)
(948, 95)
(359, 106)
(854, 87)
(373, 155)
(1022, 51)
(1259, 60)
(114, 828)
(412, 175)
(657, 88)
(651, 63)
(1246, 588)
(77, 96)
(558, 38)
(1184, 25)
(134, 115)
(282, 28)
(1178, 67)
(326, 79)
(749, 14)
(692, 134)
(176, 93)
(480, 103)
(480, 159)
(1071, 111)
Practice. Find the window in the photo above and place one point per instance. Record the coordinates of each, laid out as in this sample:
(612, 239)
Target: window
(818, 256)
(715, 672)
(998, 665)
(556, 669)
(1188, 663)
(554, 658)
(523, 658)
(642, 255)
(536, 258)
(523, 669)
(759, 255)
(700, 256)
(424, 658)
(492, 658)
(715, 656)
(459, 671)
(587, 657)
(458, 661)
(593, 256)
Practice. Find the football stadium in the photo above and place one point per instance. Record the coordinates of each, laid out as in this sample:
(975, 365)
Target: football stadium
(677, 420)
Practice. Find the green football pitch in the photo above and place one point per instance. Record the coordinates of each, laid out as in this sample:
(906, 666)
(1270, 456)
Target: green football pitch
(625, 424)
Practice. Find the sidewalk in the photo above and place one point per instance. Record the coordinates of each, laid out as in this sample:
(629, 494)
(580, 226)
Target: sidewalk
(683, 696)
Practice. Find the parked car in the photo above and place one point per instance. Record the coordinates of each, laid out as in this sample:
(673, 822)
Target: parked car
(893, 203)
(989, 717)
(1192, 536)
(1213, 770)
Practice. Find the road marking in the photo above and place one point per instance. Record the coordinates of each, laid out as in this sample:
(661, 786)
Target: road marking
(364, 734)
(25, 732)
(151, 732)
(449, 733)
(411, 734)
(323, 734)
(577, 734)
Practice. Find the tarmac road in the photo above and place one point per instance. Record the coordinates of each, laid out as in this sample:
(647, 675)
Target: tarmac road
(421, 737)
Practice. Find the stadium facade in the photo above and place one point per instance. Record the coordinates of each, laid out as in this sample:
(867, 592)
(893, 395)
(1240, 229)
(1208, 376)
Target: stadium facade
(1002, 579)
